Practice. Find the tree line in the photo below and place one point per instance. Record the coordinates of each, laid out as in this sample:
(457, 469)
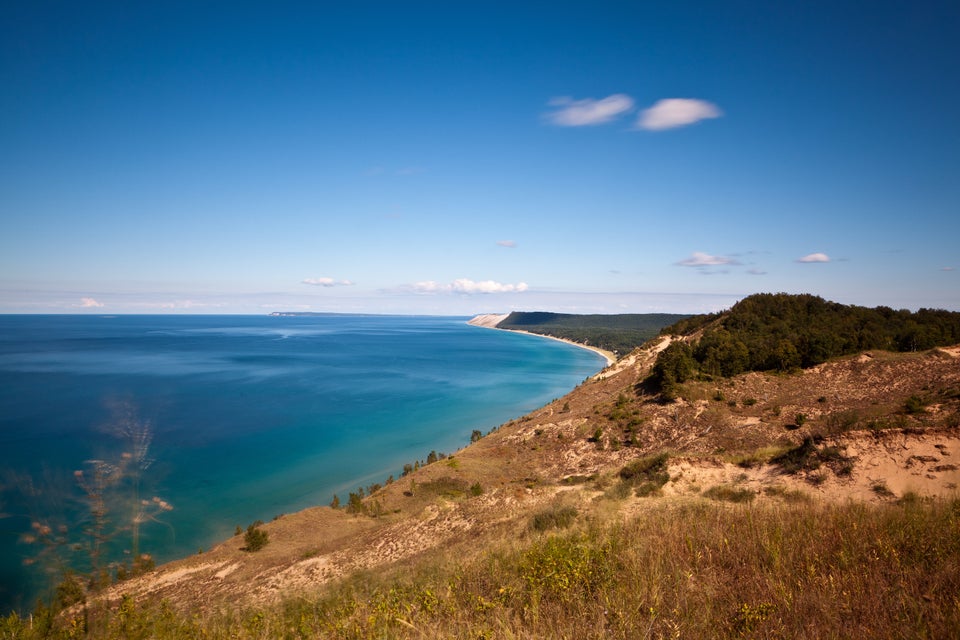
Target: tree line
(784, 332)
(620, 333)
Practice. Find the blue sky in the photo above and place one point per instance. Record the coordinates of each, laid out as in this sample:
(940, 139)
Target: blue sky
(458, 158)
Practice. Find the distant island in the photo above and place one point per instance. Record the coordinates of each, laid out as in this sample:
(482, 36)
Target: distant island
(285, 314)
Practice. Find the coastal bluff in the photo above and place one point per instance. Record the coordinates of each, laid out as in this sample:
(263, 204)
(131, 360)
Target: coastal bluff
(489, 320)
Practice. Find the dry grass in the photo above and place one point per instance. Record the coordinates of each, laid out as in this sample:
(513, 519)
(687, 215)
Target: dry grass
(693, 569)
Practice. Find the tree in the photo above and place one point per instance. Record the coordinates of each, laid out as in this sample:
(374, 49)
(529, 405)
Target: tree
(675, 365)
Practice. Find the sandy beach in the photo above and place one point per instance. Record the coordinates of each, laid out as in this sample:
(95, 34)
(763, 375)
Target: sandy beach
(491, 320)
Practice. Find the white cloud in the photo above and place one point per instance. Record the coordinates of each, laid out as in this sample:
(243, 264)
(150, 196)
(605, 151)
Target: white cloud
(814, 257)
(699, 259)
(509, 244)
(90, 303)
(676, 112)
(467, 286)
(579, 113)
(326, 282)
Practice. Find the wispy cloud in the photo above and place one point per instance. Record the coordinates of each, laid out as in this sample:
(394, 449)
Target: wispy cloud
(509, 244)
(756, 272)
(671, 113)
(699, 259)
(467, 286)
(814, 257)
(579, 113)
(90, 303)
(326, 282)
(948, 269)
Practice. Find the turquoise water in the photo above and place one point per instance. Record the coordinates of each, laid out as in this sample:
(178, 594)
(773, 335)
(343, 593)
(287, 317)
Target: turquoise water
(250, 417)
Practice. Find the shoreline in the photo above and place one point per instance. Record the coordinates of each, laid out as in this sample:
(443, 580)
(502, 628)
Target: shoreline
(607, 355)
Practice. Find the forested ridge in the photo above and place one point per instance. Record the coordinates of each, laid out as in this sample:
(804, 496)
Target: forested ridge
(616, 332)
(782, 332)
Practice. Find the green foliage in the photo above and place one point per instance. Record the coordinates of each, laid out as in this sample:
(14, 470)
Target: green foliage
(355, 504)
(70, 591)
(476, 435)
(914, 405)
(646, 475)
(783, 332)
(719, 353)
(675, 365)
(618, 332)
(255, 538)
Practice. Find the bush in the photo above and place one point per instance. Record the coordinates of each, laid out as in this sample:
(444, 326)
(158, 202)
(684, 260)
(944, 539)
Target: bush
(646, 475)
(914, 405)
(555, 517)
(649, 468)
(255, 538)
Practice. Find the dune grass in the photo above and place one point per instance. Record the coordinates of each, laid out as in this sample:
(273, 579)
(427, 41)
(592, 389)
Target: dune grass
(696, 569)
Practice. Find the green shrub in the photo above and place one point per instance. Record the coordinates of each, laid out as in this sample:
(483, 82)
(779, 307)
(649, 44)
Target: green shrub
(914, 405)
(645, 475)
(255, 538)
(650, 468)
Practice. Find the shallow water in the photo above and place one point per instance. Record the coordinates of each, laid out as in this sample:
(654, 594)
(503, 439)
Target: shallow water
(250, 416)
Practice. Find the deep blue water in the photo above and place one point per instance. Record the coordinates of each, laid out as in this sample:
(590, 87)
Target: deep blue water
(250, 416)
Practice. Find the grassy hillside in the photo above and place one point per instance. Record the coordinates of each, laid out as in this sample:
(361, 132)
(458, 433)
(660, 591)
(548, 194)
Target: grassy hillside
(620, 333)
(703, 569)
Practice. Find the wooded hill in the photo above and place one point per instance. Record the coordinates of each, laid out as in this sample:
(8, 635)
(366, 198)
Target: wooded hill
(620, 333)
(784, 332)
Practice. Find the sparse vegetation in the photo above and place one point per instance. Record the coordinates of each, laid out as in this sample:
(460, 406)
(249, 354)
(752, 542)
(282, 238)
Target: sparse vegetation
(807, 456)
(881, 489)
(553, 517)
(729, 493)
